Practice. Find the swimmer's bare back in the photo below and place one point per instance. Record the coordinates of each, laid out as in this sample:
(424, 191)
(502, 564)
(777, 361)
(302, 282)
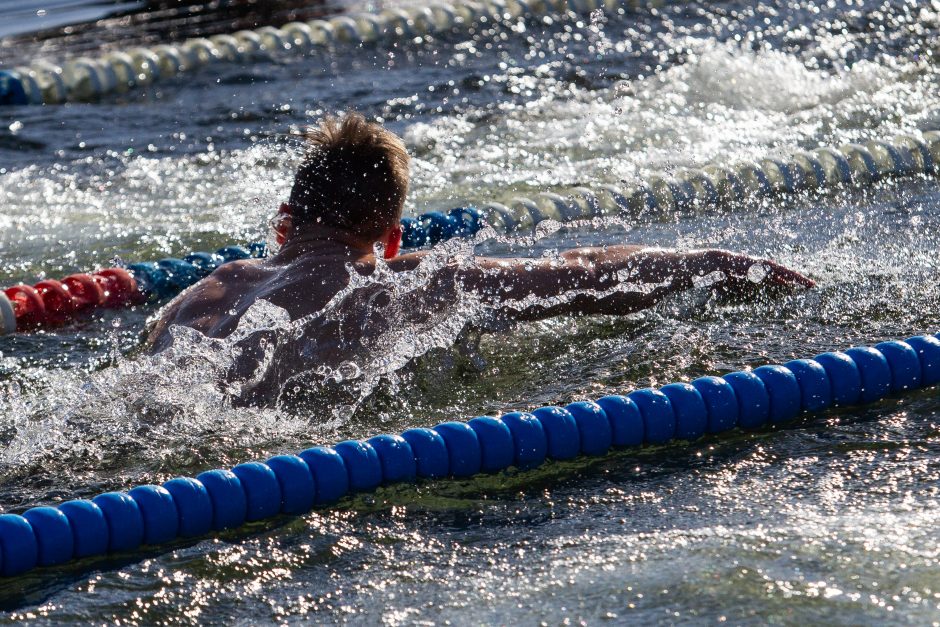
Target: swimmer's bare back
(310, 270)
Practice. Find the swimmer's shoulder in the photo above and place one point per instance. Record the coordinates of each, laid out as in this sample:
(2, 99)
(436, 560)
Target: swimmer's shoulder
(228, 280)
(235, 274)
(240, 268)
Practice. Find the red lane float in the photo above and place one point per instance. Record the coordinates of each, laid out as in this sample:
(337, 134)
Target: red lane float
(85, 289)
(28, 306)
(120, 287)
(61, 306)
(52, 303)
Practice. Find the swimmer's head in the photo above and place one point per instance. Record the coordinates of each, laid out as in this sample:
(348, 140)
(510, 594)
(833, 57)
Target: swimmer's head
(354, 177)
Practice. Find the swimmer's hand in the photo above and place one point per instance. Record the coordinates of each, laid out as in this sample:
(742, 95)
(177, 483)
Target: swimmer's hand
(736, 277)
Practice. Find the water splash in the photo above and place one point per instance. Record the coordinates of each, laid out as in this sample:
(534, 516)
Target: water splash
(271, 379)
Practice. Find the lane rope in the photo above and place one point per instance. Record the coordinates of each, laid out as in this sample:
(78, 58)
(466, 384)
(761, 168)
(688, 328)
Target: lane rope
(87, 78)
(186, 507)
(721, 185)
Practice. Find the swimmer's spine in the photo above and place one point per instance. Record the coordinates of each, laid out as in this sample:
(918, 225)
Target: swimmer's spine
(294, 484)
(715, 185)
(85, 78)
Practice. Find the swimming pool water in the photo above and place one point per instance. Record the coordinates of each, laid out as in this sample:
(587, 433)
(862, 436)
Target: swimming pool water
(830, 519)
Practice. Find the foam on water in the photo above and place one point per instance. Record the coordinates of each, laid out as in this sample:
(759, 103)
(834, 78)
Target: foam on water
(735, 77)
(724, 102)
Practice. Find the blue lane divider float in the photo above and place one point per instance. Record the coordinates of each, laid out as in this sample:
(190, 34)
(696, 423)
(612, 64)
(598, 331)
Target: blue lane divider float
(168, 277)
(293, 484)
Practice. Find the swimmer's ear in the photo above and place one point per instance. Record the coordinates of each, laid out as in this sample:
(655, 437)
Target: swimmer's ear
(283, 223)
(393, 242)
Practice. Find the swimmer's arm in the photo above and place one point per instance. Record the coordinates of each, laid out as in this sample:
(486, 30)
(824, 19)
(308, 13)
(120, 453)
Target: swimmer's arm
(156, 339)
(616, 280)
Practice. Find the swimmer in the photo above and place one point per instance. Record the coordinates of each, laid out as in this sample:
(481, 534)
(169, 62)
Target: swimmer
(347, 198)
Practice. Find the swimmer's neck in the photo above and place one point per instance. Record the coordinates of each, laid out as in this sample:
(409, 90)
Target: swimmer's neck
(321, 241)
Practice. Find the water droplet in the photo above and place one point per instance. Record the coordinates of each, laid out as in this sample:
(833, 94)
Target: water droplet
(757, 272)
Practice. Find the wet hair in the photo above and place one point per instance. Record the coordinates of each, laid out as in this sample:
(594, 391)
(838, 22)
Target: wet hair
(354, 177)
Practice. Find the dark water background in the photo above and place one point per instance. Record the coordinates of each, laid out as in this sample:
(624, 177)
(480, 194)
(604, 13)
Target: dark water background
(32, 16)
(37, 29)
